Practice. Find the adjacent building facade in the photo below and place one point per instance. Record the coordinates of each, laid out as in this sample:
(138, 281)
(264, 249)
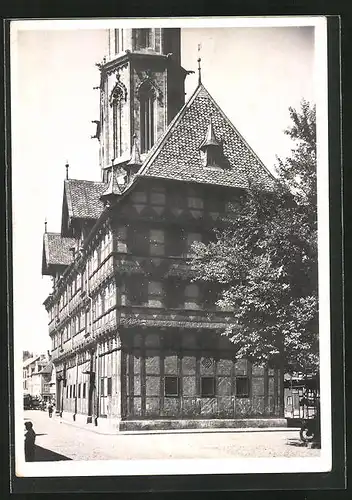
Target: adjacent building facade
(135, 341)
(38, 372)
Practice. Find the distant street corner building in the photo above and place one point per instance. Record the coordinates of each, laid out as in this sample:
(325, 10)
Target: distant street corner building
(135, 343)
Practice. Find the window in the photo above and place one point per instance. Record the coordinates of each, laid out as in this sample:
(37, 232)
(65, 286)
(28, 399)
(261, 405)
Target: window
(73, 327)
(98, 311)
(171, 387)
(174, 294)
(147, 110)
(74, 390)
(138, 240)
(70, 391)
(157, 242)
(192, 296)
(242, 387)
(110, 296)
(207, 387)
(117, 129)
(79, 390)
(109, 388)
(137, 292)
(145, 38)
(102, 386)
(121, 239)
(84, 390)
(139, 197)
(195, 202)
(157, 197)
(117, 48)
(155, 294)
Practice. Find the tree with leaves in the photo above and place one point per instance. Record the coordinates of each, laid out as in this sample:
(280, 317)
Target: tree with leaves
(264, 260)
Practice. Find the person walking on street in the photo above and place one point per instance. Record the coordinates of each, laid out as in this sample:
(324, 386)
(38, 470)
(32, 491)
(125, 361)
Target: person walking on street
(50, 410)
(29, 440)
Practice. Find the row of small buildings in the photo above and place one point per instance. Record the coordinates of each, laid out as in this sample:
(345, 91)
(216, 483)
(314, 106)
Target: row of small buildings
(38, 374)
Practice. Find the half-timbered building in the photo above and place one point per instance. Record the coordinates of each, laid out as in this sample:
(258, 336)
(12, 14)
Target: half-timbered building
(136, 342)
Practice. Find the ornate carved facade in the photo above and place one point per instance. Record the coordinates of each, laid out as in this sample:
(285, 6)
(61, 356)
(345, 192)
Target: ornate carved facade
(133, 338)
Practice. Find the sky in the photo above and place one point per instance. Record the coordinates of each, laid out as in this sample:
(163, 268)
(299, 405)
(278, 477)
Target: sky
(254, 74)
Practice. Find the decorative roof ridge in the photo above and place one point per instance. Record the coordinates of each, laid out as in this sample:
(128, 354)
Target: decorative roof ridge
(163, 138)
(84, 180)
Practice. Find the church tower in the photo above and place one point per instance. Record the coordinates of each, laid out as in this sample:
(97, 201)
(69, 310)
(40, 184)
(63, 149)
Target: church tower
(141, 90)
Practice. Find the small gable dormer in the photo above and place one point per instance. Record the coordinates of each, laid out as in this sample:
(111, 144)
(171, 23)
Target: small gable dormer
(211, 149)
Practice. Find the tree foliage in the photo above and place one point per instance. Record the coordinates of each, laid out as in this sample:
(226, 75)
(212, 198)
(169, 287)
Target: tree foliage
(264, 259)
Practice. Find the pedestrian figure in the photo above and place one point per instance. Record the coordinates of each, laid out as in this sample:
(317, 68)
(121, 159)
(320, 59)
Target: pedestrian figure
(29, 440)
(50, 410)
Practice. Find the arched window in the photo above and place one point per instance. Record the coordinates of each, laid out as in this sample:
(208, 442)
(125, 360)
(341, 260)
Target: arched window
(117, 128)
(117, 98)
(147, 111)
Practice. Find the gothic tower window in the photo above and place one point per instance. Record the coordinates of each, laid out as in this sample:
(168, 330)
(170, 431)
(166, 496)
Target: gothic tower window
(147, 111)
(118, 95)
(117, 129)
(143, 39)
(117, 45)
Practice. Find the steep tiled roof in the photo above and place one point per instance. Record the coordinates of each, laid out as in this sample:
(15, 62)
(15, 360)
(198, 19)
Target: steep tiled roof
(176, 155)
(57, 249)
(83, 198)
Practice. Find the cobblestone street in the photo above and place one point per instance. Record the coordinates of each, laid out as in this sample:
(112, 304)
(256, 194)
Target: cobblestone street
(66, 441)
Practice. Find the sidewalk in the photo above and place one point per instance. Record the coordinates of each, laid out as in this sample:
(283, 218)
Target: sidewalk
(111, 432)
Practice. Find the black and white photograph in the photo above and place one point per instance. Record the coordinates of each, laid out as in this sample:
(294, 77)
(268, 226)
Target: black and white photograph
(170, 218)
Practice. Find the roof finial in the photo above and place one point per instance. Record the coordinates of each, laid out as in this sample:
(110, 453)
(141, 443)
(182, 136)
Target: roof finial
(67, 167)
(135, 156)
(199, 66)
(45, 225)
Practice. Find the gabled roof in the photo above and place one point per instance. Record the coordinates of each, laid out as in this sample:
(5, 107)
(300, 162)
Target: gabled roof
(56, 251)
(47, 368)
(176, 155)
(83, 198)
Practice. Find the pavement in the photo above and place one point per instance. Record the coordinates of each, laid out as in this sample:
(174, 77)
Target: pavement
(60, 440)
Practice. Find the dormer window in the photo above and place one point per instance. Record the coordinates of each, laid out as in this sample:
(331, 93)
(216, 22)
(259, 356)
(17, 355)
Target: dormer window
(211, 149)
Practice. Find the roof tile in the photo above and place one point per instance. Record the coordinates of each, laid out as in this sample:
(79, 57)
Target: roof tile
(57, 249)
(177, 156)
(83, 198)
